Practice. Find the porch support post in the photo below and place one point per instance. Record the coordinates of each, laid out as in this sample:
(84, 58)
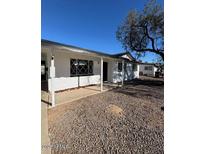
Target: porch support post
(123, 63)
(52, 76)
(101, 74)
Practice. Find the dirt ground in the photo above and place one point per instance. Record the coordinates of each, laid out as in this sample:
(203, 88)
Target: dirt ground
(123, 120)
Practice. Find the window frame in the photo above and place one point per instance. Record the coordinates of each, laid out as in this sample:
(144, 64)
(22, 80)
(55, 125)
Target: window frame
(88, 70)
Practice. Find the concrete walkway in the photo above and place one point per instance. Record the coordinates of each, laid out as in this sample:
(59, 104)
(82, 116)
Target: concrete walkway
(75, 94)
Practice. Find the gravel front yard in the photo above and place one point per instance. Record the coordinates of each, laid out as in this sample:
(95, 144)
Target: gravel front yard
(124, 120)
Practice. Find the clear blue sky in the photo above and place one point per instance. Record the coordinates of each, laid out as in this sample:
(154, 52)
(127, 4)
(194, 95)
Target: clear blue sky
(88, 24)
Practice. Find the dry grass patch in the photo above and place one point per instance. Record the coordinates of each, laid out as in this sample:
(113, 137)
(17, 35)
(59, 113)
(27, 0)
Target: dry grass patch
(114, 110)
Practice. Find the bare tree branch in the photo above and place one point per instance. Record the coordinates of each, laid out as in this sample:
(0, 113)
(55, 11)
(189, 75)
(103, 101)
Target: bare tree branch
(143, 31)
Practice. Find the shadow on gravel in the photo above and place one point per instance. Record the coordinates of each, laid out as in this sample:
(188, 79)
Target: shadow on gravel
(145, 82)
(142, 88)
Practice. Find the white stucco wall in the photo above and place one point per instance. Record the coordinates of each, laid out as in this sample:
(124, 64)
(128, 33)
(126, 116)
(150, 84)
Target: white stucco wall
(62, 62)
(116, 76)
(129, 74)
(136, 72)
(96, 67)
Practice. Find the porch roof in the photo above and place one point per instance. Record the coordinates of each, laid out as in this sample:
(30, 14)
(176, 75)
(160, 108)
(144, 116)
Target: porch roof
(83, 50)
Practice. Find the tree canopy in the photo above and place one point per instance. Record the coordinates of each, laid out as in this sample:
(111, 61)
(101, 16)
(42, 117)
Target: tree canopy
(143, 31)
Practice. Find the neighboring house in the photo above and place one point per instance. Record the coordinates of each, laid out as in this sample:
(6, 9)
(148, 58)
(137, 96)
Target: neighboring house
(65, 66)
(148, 69)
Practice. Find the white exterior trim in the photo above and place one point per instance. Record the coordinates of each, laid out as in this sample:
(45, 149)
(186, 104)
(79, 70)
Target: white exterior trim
(101, 74)
(52, 76)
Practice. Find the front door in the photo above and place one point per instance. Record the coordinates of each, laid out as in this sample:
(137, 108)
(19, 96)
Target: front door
(105, 71)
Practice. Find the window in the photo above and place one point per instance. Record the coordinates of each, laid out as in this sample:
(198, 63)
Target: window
(73, 66)
(81, 67)
(119, 67)
(148, 68)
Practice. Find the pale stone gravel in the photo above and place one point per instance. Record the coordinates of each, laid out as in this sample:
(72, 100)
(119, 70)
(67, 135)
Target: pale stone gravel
(124, 120)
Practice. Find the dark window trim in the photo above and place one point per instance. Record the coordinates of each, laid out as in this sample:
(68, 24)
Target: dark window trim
(89, 73)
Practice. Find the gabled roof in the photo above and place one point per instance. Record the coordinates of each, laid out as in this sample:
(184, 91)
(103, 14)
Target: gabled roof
(119, 55)
(125, 53)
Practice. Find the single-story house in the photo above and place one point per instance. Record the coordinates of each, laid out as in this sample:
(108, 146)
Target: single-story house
(65, 66)
(147, 69)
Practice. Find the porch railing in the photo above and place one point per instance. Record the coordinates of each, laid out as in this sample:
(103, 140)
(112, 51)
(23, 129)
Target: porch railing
(63, 83)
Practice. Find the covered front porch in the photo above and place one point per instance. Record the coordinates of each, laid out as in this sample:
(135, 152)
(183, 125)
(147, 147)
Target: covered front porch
(72, 74)
(66, 96)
